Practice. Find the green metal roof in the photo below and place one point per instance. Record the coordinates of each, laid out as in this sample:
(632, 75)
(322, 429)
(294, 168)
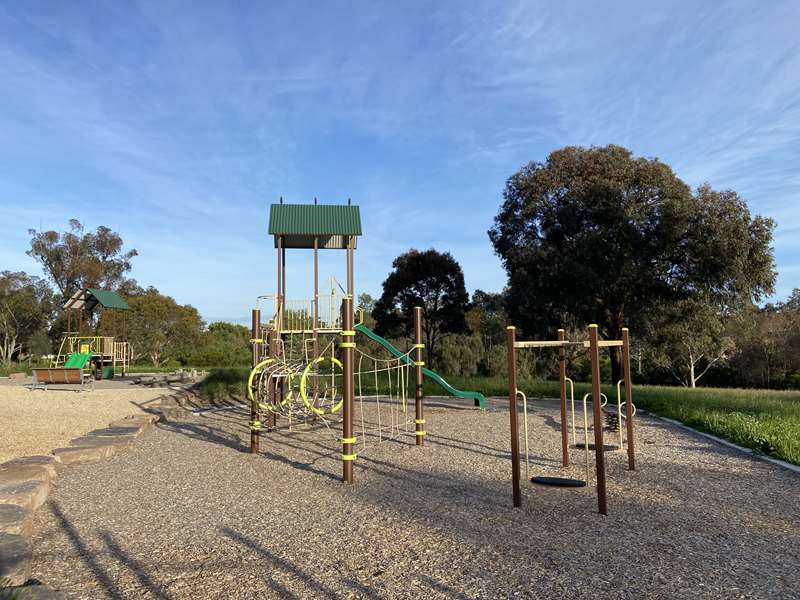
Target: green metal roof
(314, 219)
(108, 299)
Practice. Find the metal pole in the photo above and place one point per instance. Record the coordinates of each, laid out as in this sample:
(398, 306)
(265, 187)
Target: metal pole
(419, 419)
(348, 440)
(512, 410)
(599, 456)
(626, 366)
(562, 377)
(255, 425)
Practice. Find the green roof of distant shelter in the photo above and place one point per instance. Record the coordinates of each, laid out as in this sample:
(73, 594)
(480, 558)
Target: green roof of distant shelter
(314, 219)
(109, 299)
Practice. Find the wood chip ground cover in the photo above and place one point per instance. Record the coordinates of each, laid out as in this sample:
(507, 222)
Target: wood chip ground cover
(186, 513)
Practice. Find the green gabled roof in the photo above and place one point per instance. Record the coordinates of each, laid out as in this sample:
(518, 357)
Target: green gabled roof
(314, 219)
(108, 299)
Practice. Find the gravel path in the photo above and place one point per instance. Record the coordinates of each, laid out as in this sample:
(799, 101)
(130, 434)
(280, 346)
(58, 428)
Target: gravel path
(35, 422)
(187, 514)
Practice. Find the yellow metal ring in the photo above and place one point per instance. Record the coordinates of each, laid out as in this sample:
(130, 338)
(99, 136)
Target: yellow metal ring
(304, 378)
(256, 370)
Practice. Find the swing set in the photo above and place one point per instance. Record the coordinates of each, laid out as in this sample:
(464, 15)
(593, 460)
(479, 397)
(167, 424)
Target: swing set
(624, 410)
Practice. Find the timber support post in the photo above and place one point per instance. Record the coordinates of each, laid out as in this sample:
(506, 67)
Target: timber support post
(600, 464)
(419, 418)
(512, 410)
(255, 424)
(348, 439)
(626, 368)
(562, 378)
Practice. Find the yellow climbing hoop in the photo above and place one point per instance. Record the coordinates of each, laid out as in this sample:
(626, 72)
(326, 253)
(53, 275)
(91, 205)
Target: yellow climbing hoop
(304, 378)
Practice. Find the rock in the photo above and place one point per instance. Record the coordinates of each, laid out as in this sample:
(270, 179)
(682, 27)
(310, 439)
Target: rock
(84, 454)
(16, 519)
(28, 494)
(116, 431)
(31, 592)
(16, 553)
(121, 441)
(44, 468)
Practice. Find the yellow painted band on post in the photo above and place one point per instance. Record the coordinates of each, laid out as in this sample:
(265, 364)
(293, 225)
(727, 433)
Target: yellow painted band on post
(510, 327)
(419, 345)
(593, 325)
(350, 440)
(625, 329)
(304, 379)
(349, 456)
(347, 345)
(349, 333)
(419, 421)
(257, 369)
(255, 425)
(420, 433)
(256, 341)
(419, 363)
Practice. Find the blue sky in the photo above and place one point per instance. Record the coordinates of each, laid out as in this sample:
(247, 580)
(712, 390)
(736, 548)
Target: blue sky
(177, 124)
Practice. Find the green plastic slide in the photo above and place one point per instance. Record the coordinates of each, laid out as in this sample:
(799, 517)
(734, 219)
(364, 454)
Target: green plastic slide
(479, 398)
(77, 360)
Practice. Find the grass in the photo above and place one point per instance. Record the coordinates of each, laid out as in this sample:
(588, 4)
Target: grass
(767, 421)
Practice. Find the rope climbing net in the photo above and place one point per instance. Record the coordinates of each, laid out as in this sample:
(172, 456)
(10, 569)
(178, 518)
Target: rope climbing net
(306, 390)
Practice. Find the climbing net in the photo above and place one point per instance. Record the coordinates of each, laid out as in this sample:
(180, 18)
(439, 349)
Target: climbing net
(304, 390)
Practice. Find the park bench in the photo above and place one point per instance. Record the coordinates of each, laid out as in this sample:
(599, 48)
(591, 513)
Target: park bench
(59, 375)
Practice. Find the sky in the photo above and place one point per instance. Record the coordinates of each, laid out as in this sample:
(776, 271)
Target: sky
(177, 124)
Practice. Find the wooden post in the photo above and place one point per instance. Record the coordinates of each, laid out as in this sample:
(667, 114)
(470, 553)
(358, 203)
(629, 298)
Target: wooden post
(315, 320)
(255, 426)
(594, 351)
(419, 418)
(512, 410)
(562, 377)
(348, 440)
(626, 368)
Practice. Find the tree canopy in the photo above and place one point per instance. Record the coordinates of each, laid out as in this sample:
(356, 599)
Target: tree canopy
(429, 279)
(77, 259)
(596, 235)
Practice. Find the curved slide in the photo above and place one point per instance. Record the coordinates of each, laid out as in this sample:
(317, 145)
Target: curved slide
(479, 398)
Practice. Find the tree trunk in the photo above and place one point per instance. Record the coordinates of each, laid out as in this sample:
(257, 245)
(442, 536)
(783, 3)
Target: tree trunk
(615, 354)
(692, 380)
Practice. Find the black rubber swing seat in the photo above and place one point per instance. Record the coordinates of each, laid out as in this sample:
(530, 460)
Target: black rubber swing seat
(606, 447)
(559, 481)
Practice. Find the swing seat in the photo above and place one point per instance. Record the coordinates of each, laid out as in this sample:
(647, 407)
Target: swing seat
(606, 447)
(559, 481)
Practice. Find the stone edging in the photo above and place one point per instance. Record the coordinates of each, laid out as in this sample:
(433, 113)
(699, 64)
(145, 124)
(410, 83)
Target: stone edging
(25, 484)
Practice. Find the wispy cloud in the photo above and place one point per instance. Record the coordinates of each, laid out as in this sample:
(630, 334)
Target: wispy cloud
(178, 124)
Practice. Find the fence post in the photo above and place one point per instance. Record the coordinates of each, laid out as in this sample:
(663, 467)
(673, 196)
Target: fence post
(600, 462)
(626, 366)
(419, 419)
(512, 410)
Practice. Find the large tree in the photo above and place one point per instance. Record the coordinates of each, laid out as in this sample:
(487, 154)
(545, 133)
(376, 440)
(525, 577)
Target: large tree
(432, 280)
(158, 327)
(78, 259)
(26, 307)
(595, 235)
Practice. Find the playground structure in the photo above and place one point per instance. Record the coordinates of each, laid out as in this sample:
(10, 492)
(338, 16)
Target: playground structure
(305, 361)
(102, 357)
(593, 344)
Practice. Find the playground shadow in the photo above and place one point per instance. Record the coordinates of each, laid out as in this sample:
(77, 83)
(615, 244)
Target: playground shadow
(107, 577)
